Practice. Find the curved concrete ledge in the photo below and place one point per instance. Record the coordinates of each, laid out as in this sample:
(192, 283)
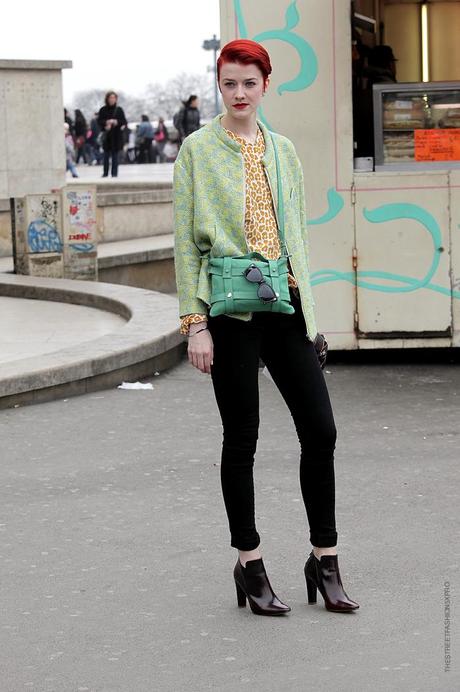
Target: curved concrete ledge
(149, 341)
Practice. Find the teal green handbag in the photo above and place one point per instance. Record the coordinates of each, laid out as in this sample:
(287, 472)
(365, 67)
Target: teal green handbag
(252, 283)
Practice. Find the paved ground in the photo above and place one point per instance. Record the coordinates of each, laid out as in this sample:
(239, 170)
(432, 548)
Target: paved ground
(116, 566)
(127, 172)
(31, 327)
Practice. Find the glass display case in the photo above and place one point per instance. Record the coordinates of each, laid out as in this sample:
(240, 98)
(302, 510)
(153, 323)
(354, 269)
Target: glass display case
(417, 126)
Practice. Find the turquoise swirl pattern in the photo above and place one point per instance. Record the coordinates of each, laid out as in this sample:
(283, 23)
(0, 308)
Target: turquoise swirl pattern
(395, 212)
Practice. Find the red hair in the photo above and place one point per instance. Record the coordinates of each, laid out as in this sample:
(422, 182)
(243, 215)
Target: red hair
(247, 52)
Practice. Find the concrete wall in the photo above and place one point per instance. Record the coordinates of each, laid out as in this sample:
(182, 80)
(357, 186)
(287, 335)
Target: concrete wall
(32, 154)
(134, 211)
(126, 211)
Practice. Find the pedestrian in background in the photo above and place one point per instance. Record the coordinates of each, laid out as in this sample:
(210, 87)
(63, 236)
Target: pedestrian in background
(187, 119)
(69, 151)
(112, 121)
(145, 139)
(92, 141)
(160, 138)
(81, 131)
(69, 121)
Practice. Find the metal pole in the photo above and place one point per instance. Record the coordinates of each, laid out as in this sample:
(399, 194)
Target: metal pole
(214, 45)
(216, 98)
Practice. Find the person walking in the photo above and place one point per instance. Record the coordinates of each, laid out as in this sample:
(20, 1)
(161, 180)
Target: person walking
(112, 121)
(225, 178)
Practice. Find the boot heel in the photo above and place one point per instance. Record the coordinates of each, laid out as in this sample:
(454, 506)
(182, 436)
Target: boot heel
(240, 595)
(311, 591)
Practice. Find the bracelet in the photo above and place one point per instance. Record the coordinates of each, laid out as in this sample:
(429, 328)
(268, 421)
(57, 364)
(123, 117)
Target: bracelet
(197, 331)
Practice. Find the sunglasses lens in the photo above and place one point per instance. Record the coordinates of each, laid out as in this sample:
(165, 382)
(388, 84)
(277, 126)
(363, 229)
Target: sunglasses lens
(254, 274)
(266, 292)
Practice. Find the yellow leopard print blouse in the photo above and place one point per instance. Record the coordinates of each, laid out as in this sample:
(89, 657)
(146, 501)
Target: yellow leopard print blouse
(260, 221)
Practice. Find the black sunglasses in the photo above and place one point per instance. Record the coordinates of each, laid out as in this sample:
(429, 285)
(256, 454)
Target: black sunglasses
(265, 292)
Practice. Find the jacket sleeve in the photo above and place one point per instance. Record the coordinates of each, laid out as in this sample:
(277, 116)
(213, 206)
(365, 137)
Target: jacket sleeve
(181, 122)
(303, 212)
(101, 119)
(122, 117)
(187, 256)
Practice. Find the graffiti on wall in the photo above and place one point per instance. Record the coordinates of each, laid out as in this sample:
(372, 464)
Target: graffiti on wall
(43, 231)
(81, 220)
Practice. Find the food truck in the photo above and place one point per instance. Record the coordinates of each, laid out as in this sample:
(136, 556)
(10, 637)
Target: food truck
(381, 162)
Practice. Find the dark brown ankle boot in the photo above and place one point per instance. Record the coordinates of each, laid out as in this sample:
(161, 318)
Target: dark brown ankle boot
(252, 583)
(324, 575)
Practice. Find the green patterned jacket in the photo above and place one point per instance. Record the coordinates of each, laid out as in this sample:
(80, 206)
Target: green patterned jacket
(209, 208)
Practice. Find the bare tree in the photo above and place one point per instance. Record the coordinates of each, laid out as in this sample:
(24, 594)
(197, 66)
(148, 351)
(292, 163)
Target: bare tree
(157, 100)
(179, 89)
(89, 101)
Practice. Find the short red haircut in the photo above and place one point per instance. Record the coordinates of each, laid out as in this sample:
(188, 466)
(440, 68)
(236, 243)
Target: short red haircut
(247, 52)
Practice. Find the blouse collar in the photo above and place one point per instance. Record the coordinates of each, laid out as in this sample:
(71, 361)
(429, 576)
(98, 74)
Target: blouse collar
(221, 133)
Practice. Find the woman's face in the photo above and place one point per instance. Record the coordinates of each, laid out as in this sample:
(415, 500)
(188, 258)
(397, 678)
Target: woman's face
(112, 100)
(242, 88)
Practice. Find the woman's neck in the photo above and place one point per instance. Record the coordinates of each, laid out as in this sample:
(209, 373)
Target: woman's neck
(247, 128)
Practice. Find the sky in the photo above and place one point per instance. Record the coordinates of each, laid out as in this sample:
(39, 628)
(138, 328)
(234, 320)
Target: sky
(111, 45)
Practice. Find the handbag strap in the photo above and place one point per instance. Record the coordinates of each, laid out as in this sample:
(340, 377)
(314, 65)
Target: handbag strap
(280, 198)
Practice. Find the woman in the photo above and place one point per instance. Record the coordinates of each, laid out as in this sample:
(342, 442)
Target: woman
(223, 178)
(161, 137)
(112, 121)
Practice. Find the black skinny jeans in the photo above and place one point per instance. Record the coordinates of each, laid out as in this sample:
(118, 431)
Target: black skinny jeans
(111, 153)
(281, 342)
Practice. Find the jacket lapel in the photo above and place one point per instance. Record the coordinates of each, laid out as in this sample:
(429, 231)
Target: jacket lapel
(268, 158)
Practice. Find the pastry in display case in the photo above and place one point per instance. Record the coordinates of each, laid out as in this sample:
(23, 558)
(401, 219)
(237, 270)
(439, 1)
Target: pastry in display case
(416, 125)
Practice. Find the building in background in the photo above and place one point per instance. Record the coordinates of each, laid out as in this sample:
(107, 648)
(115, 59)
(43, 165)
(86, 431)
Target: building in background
(385, 242)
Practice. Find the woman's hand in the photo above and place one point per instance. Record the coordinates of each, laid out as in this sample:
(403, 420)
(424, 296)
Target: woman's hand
(200, 347)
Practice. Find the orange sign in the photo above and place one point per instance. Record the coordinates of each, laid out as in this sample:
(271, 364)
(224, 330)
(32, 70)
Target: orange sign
(437, 145)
